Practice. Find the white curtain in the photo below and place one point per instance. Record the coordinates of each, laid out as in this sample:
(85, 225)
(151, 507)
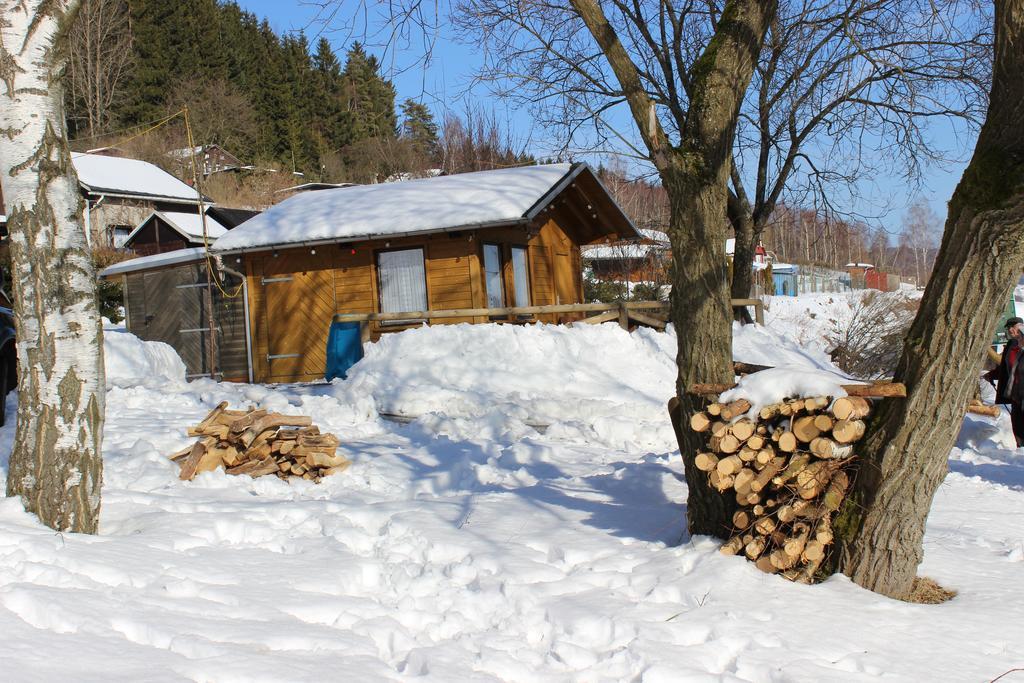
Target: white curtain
(521, 276)
(403, 285)
(492, 270)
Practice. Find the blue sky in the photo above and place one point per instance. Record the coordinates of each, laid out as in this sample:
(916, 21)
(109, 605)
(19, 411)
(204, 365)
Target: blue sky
(443, 84)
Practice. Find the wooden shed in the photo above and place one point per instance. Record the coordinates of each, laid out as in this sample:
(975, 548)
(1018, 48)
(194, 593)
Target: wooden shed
(490, 239)
(164, 231)
(168, 299)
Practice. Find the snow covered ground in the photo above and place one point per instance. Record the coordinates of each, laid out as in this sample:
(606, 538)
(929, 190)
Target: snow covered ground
(467, 545)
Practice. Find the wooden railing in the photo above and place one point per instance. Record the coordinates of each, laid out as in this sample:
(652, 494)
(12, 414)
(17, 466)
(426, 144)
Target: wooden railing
(623, 311)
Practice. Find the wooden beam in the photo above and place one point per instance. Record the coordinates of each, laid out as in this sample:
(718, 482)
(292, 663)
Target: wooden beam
(597, 319)
(515, 310)
(647, 320)
(887, 390)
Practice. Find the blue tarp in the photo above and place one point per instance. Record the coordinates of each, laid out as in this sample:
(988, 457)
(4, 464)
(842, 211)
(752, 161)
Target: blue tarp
(344, 349)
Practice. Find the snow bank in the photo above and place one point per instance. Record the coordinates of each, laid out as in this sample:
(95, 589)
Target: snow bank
(132, 362)
(592, 381)
(446, 553)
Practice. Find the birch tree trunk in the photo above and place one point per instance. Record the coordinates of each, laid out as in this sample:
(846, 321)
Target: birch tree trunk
(56, 466)
(881, 527)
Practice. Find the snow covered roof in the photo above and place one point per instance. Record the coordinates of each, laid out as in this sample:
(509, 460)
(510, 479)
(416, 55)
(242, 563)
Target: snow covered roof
(188, 225)
(100, 174)
(859, 265)
(655, 236)
(169, 258)
(653, 241)
(465, 201)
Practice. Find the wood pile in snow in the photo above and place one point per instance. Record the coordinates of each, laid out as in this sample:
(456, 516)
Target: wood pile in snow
(259, 443)
(789, 470)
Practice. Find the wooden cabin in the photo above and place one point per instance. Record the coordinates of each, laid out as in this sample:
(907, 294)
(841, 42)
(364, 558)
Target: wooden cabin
(167, 298)
(491, 239)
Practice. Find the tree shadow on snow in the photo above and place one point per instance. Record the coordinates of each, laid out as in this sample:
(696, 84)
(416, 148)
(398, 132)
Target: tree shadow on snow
(1008, 474)
(627, 499)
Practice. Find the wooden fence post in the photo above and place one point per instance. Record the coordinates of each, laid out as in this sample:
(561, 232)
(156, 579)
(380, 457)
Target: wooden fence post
(623, 316)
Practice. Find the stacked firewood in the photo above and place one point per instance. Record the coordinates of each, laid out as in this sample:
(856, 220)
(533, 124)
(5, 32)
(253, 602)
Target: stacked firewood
(259, 443)
(789, 470)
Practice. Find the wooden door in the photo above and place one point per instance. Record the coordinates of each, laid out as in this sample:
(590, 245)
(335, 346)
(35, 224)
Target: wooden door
(192, 301)
(300, 305)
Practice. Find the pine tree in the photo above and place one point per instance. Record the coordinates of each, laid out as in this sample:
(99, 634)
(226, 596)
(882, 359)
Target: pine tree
(371, 99)
(419, 129)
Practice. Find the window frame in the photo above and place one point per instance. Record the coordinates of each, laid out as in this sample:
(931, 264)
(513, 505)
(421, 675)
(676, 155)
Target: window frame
(380, 290)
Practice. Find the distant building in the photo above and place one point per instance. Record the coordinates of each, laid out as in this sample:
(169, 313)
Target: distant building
(642, 259)
(212, 159)
(164, 231)
(120, 193)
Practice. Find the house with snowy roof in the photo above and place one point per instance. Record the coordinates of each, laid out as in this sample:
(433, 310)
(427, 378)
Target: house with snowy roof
(121, 193)
(643, 259)
(490, 239)
(164, 231)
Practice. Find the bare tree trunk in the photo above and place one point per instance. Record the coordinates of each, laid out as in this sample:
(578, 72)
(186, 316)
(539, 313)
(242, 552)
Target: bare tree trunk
(702, 316)
(695, 174)
(56, 466)
(881, 527)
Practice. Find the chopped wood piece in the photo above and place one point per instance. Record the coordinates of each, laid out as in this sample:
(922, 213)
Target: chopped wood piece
(764, 563)
(765, 475)
(720, 481)
(755, 442)
(735, 409)
(848, 431)
(765, 525)
(815, 403)
(700, 422)
(730, 465)
(728, 444)
(796, 464)
(714, 409)
(741, 519)
(851, 408)
(982, 409)
(804, 429)
(747, 454)
(788, 442)
(814, 551)
(706, 461)
(743, 430)
(824, 447)
(754, 549)
(732, 546)
(823, 422)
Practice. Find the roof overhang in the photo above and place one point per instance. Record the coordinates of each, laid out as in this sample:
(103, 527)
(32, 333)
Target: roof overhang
(121, 194)
(373, 237)
(154, 262)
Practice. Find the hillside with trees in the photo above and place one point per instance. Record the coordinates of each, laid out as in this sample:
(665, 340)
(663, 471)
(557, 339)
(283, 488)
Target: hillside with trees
(274, 101)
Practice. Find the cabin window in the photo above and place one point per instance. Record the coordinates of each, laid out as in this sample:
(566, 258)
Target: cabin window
(118, 235)
(402, 280)
(492, 276)
(521, 276)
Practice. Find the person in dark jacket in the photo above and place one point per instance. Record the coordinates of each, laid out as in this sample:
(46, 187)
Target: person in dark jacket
(1008, 376)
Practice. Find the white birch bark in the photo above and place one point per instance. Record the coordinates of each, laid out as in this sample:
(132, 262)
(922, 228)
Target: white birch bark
(56, 466)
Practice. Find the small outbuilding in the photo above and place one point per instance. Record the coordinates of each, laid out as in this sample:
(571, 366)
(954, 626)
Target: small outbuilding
(164, 231)
(490, 239)
(167, 298)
